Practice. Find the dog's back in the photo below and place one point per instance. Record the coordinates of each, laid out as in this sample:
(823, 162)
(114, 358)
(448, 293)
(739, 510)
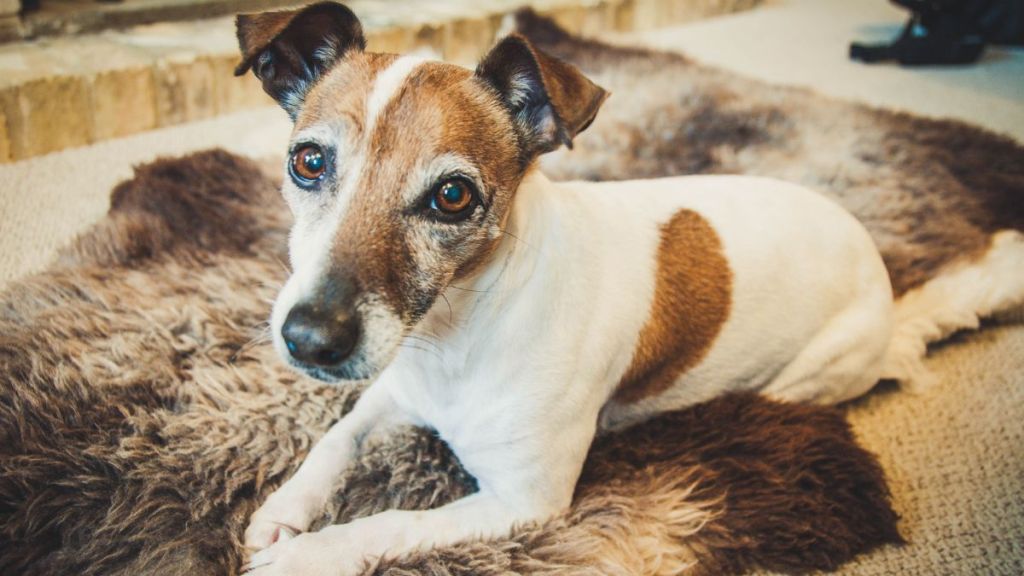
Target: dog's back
(758, 284)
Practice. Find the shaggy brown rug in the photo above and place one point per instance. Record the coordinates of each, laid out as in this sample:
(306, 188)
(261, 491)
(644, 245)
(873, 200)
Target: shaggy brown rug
(143, 416)
(143, 423)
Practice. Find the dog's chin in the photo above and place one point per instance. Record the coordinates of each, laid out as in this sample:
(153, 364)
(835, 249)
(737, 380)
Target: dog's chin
(350, 371)
(356, 368)
(340, 375)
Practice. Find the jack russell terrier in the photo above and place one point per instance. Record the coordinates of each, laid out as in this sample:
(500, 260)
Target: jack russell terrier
(517, 316)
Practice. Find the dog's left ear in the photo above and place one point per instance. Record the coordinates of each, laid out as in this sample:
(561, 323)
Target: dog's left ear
(550, 101)
(289, 50)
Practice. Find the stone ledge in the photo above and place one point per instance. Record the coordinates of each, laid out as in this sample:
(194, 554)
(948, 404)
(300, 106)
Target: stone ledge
(65, 92)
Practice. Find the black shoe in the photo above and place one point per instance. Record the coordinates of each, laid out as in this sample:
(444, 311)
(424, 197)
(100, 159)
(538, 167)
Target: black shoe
(920, 45)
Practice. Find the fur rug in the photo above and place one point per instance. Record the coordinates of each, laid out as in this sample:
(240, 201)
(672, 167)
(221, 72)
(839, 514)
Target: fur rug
(143, 423)
(143, 416)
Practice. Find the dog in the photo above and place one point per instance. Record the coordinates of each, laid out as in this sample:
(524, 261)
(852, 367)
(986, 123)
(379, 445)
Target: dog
(516, 316)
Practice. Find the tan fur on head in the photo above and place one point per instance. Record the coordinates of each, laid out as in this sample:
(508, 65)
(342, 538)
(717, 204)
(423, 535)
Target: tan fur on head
(393, 130)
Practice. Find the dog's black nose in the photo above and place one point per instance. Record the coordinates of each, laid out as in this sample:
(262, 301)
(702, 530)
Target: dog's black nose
(319, 337)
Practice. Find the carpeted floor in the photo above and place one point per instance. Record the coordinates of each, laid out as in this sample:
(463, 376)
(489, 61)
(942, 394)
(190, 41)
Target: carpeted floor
(952, 454)
(954, 457)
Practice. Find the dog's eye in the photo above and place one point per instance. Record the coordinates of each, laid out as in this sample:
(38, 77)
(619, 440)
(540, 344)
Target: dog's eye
(308, 164)
(452, 198)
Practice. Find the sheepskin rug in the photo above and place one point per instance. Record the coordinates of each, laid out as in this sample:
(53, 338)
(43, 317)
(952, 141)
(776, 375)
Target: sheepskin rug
(144, 416)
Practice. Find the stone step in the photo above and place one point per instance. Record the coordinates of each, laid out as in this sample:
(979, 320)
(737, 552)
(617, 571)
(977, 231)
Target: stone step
(57, 93)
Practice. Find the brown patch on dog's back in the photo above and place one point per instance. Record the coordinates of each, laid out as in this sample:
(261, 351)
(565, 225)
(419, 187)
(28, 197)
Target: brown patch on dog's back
(692, 298)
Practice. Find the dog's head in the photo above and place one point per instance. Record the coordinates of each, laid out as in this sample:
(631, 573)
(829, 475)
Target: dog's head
(401, 172)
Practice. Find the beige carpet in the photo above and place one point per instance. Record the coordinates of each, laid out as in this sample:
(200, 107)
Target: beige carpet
(954, 454)
(954, 457)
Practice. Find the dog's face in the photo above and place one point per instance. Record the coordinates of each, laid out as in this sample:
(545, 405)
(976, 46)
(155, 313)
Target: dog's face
(401, 173)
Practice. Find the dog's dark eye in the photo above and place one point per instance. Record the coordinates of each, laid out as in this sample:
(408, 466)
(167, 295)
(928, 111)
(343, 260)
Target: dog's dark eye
(308, 164)
(453, 198)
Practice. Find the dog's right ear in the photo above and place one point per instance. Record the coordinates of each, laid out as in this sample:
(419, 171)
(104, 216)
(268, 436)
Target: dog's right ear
(289, 51)
(550, 101)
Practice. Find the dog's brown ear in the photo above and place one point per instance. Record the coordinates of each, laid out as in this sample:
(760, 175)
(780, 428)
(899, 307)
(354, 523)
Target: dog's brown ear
(290, 50)
(551, 101)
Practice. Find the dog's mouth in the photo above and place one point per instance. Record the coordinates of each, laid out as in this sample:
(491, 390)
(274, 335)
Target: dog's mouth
(354, 368)
(338, 375)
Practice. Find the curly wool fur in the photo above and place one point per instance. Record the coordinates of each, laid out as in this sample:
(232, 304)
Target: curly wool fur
(145, 417)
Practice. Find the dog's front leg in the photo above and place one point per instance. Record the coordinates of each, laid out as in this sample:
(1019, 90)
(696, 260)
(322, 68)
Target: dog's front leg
(525, 477)
(346, 549)
(298, 502)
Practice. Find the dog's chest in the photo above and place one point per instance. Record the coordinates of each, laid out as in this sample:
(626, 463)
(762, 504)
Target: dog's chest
(471, 405)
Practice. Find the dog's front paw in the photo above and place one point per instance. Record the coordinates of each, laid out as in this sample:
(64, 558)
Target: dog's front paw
(282, 516)
(310, 554)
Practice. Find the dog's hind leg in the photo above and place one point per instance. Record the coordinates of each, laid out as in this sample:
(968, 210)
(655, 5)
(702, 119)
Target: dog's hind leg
(842, 361)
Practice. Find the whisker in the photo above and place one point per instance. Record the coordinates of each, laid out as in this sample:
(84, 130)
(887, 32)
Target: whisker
(283, 266)
(517, 238)
(469, 289)
(451, 315)
(262, 336)
(424, 350)
(421, 332)
(425, 340)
